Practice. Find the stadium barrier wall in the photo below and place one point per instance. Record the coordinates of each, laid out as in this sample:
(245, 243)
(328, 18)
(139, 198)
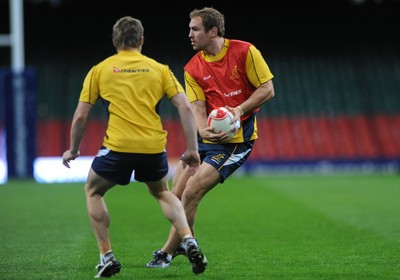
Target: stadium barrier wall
(286, 145)
(341, 138)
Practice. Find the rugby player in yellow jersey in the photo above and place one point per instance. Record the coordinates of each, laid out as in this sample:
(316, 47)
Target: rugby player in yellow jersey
(223, 72)
(131, 86)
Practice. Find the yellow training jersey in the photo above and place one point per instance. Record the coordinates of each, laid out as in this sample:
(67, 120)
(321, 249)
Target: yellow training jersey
(131, 85)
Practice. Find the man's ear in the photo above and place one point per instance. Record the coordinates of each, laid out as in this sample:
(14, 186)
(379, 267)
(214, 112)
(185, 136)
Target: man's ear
(213, 32)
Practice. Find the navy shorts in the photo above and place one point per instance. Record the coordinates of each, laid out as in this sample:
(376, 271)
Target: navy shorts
(225, 158)
(118, 167)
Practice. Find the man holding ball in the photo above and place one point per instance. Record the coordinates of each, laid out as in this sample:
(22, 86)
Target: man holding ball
(223, 73)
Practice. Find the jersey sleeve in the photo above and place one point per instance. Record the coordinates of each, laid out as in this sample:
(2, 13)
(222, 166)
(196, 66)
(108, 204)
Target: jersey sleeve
(257, 69)
(90, 89)
(193, 91)
(171, 84)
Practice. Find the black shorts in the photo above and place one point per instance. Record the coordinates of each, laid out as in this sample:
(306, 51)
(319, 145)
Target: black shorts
(226, 158)
(118, 167)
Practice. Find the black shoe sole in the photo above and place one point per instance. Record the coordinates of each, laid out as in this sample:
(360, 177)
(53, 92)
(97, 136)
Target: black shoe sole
(196, 258)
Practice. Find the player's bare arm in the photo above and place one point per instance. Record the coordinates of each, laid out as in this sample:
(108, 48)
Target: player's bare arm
(261, 95)
(78, 127)
(191, 157)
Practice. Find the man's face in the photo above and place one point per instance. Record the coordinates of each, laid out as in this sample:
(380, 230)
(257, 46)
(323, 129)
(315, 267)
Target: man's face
(199, 38)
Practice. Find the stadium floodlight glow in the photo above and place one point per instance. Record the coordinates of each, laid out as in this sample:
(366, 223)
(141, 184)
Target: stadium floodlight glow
(3, 172)
(52, 170)
(3, 158)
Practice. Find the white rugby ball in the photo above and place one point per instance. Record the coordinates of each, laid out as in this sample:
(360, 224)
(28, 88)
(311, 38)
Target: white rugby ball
(220, 119)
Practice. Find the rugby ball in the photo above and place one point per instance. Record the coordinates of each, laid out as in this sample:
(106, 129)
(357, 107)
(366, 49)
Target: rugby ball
(220, 120)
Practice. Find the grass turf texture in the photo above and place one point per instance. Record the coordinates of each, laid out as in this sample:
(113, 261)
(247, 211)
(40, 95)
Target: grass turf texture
(306, 227)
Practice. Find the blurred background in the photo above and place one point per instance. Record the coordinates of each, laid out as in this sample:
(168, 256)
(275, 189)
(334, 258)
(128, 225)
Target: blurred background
(336, 65)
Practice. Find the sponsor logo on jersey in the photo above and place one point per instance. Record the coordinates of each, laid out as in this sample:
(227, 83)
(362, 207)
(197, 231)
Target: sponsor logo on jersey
(233, 93)
(117, 70)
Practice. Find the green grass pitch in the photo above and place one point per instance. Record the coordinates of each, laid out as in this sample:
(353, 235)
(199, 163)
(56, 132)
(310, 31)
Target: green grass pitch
(273, 227)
